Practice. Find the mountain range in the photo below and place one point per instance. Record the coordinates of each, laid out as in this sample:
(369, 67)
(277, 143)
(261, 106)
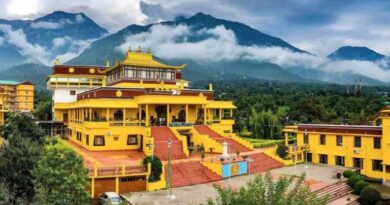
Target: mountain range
(61, 33)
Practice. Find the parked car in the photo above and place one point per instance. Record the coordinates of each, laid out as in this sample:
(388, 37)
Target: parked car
(110, 198)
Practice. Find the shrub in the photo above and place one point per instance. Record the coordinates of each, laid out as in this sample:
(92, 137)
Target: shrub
(281, 150)
(359, 186)
(353, 180)
(156, 167)
(369, 195)
(348, 173)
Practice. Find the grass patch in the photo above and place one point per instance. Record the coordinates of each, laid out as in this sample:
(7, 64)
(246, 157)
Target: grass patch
(384, 190)
(258, 143)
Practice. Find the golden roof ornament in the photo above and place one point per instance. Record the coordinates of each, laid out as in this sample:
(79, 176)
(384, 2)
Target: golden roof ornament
(57, 61)
(129, 49)
(139, 49)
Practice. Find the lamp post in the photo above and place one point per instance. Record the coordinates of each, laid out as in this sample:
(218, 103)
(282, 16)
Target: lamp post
(306, 136)
(169, 174)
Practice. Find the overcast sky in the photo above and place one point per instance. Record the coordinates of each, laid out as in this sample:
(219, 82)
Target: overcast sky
(318, 26)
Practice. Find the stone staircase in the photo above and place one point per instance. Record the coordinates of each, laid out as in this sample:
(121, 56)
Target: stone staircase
(161, 136)
(191, 173)
(262, 163)
(233, 145)
(334, 191)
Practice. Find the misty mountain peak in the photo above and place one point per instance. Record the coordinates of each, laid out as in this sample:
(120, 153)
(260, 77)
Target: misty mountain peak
(355, 53)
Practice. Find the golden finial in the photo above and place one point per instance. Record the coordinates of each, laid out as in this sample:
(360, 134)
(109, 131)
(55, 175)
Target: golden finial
(129, 50)
(107, 63)
(149, 51)
(57, 61)
(211, 87)
(139, 49)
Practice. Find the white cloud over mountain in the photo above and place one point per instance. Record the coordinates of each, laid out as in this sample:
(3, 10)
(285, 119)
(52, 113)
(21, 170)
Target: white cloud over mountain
(173, 42)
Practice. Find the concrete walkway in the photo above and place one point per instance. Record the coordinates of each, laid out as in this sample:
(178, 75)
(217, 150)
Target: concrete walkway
(317, 177)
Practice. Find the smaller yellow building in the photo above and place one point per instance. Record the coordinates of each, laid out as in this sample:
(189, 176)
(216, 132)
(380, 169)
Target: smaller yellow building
(2, 106)
(363, 147)
(20, 95)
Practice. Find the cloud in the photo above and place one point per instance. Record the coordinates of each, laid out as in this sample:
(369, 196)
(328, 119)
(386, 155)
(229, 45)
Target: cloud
(172, 42)
(46, 25)
(1, 40)
(37, 53)
(18, 38)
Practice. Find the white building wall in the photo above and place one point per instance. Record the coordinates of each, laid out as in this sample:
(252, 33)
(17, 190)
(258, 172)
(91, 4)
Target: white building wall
(62, 95)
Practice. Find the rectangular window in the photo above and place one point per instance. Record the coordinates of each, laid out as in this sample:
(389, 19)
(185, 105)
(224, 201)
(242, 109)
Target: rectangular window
(357, 141)
(99, 140)
(132, 140)
(358, 163)
(72, 92)
(306, 138)
(340, 160)
(322, 139)
(339, 140)
(377, 143)
(309, 157)
(377, 165)
(323, 159)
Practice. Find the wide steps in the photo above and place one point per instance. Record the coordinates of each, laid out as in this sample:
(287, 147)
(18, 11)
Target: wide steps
(191, 173)
(262, 163)
(233, 145)
(161, 137)
(334, 191)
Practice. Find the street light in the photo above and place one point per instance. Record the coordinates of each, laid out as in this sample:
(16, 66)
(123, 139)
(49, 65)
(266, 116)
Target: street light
(307, 136)
(170, 196)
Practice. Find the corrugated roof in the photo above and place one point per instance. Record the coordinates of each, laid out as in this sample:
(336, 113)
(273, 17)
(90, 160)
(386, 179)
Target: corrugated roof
(9, 82)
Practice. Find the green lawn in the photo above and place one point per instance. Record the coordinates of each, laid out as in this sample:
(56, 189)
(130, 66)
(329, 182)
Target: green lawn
(264, 142)
(384, 190)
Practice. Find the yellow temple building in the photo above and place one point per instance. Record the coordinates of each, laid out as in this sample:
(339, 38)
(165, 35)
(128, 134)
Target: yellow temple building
(136, 107)
(362, 147)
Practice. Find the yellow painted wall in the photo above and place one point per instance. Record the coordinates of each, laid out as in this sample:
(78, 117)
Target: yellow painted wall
(115, 136)
(25, 97)
(199, 139)
(347, 150)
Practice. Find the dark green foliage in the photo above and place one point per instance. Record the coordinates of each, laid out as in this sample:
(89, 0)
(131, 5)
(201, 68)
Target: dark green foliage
(281, 150)
(264, 190)
(42, 105)
(348, 173)
(22, 125)
(264, 125)
(60, 176)
(354, 179)
(299, 102)
(359, 187)
(18, 158)
(4, 195)
(156, 167)
(369, 195)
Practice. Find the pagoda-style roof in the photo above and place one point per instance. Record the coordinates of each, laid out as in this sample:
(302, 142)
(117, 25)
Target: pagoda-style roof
(141, 59)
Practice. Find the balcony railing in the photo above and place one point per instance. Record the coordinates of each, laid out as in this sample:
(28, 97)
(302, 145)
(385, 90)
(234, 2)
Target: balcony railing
(181, 124)
(116, 171)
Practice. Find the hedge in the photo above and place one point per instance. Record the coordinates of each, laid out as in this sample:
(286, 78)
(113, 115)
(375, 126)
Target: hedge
(369, 195)
(348, 173)
(353, 180)
(359, 186)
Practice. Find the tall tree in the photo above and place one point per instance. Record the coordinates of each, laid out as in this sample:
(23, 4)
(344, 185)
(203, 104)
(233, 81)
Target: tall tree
(264, 190)
(60, 177)
(18, 158)
(22, 125)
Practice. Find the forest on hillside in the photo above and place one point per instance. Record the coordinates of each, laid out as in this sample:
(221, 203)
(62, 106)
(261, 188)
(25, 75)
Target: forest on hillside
(264, 107)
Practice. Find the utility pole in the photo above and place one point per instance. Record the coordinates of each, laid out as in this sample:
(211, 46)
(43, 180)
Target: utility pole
(171, 196)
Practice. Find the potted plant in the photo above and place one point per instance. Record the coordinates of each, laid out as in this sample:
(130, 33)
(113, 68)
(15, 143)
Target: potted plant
(211, 149)
(202, 155)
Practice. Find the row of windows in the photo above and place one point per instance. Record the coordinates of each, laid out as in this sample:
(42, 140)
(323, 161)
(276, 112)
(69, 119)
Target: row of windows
(357, 142)
(99, 140)
(357, 162)
(142, 73)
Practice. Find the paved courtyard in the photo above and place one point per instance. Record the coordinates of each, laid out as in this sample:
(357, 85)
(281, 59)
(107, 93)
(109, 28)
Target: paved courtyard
(317, 176)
